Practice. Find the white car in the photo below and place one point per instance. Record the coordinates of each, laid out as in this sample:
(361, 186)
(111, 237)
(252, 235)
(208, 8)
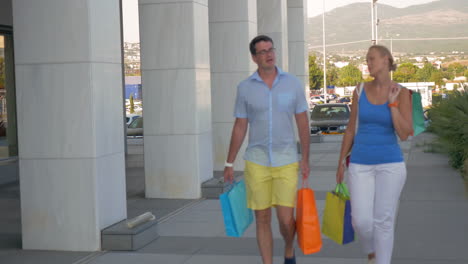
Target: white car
(130, 117)
(317, 100)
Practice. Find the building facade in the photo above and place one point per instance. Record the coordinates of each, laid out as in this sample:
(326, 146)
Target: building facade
(63, 102)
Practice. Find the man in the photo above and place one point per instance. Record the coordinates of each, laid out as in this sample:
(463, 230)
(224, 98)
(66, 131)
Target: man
(267, 101)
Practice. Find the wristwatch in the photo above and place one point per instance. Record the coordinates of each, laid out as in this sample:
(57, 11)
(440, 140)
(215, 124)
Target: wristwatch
(227, 164)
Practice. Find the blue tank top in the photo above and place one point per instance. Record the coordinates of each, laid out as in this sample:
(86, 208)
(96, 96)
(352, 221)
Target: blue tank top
(375, 141)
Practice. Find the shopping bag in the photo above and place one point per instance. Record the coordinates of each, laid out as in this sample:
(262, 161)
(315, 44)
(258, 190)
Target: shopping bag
(336, 222)
(307, 222)
(237, 217)
(418, 113)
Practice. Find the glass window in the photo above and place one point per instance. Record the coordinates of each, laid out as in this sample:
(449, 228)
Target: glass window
(8, 135)
(137, 123)
(330, 112)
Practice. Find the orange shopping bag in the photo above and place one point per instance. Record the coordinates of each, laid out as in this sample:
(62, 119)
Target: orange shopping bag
(307, 221)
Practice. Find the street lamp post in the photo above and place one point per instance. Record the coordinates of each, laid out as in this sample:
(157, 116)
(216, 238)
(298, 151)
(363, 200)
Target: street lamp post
(391, 52)
(376, 24)
(324, 55)
(374, 21)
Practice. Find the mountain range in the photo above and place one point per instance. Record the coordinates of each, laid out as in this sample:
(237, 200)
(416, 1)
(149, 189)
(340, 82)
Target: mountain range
(351, 23)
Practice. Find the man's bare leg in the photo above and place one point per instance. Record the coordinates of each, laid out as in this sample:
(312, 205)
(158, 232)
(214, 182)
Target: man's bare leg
(287, 225)
(264, 235)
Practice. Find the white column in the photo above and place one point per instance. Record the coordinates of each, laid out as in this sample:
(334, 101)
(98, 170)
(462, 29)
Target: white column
(233, 24)
(298, 55)
(70, 125)
(273, 22)
(176, 97)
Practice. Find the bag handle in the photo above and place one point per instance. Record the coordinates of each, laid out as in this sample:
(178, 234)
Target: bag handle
(342, 189)
(359, 89)
(305, 182)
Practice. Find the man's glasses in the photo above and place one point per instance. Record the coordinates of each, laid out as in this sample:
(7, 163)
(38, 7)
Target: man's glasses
(265, 52)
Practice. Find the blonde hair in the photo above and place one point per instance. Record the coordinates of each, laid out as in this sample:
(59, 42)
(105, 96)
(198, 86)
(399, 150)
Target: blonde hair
(384, 51)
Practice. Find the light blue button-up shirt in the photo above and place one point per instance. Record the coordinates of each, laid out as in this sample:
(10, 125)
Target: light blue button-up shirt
(270, 113)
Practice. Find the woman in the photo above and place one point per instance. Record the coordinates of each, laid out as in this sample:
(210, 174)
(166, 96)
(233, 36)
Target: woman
(377, 170)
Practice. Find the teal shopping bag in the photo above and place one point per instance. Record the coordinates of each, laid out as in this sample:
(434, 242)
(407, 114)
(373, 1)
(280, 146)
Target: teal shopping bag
(237, 217)
(418, 113)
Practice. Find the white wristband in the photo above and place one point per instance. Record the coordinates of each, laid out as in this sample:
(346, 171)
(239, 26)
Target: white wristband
(227, 164)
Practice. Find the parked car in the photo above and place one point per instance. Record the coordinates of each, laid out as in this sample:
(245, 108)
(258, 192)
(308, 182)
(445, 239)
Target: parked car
(136, 127)
(317, 100)
(130, 117)
(344, 100)
(329, 118)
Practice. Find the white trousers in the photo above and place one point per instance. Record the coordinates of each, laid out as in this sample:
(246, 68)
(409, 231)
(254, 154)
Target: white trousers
(375, 191)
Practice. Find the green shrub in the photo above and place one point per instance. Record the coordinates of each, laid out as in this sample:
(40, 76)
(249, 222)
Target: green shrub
(449, 120)
(436, 98)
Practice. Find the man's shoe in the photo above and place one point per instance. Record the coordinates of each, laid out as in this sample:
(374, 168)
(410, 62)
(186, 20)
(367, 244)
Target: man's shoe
(291, 260)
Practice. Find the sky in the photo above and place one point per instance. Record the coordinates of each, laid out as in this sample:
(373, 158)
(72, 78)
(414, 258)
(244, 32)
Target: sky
(315, 7)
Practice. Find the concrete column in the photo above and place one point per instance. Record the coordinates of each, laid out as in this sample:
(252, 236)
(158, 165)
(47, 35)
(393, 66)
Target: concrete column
(298, 56)
(176, 97)
(273, 22)
(233, 24)
(70, 125)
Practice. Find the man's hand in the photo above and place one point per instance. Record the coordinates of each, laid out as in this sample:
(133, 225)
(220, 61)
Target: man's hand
(228, 174)
(305, 170)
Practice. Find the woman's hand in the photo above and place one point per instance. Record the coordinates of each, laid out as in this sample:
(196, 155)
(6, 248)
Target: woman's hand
(340, 173)
(394, 91)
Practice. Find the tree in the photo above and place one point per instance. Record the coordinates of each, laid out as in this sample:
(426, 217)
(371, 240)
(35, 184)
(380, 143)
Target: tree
(349, 75)
(315, 74)
(437, 77)
(424, 74)
(405, 72)
(332, 75)
(132, 105)
(457, 69)
(447, 75)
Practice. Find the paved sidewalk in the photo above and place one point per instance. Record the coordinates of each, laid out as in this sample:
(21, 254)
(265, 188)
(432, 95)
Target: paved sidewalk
(431, 225)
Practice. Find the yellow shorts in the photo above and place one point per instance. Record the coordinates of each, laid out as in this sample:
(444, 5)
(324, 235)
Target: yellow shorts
(270, 186)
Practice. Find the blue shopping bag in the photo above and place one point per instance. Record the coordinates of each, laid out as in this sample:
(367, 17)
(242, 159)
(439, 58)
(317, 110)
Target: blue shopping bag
(237, 217)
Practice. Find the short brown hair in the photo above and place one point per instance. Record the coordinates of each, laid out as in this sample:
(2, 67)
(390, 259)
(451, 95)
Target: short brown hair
(384, 51)
(257, 39)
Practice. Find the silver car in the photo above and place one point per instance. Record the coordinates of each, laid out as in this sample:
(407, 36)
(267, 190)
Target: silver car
(329, 118)
(136, 127)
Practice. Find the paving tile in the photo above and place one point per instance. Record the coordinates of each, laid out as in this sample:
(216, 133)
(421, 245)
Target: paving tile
(175, 245)
(195, 215)
(243, 246)
(139, 258)
(208, 259)
(198, 229)
(42, 257)
(427, 261)
(434, 184)
(207, 205)
(432, 230)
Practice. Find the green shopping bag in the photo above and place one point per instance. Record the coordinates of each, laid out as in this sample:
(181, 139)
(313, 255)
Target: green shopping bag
(418, 113)
(336, 222)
